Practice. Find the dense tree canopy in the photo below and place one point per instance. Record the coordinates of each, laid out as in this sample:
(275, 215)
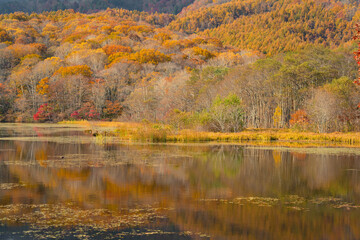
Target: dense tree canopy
(67, 65)
(273, 26)
(168, 6)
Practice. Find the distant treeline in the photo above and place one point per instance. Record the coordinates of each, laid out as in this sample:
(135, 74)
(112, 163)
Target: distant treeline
(87, 6)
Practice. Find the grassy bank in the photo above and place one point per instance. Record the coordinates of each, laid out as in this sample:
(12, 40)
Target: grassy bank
(164, 133)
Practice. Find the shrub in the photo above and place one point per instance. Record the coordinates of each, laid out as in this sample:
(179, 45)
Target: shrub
(299, 118)
(87, 112)
(44, 114)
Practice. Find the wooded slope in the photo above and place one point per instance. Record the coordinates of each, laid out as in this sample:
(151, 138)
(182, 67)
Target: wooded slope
(273, 26)
(168, 6)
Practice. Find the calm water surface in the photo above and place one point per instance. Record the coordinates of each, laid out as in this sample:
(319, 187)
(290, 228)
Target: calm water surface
(58, 182)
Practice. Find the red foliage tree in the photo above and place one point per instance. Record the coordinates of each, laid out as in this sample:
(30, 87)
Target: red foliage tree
(44, 113)
(86, 112)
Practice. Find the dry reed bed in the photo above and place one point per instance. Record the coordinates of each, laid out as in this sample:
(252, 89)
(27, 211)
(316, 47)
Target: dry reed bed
(164, 133)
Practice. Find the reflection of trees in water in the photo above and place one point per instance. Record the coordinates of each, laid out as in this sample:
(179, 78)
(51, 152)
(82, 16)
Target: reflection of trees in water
(261, 172)
(145, 173)
(131, 182)
(231, 221)
(36, 130)
(333, 174)
(32, 151)
(212, 172)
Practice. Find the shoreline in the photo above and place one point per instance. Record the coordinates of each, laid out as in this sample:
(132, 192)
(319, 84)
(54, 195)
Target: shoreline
(159, 133)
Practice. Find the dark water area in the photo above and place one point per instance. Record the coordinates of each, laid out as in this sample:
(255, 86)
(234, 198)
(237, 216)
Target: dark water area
(58, 182)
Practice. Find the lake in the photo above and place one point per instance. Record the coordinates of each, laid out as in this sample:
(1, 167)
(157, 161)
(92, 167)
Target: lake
(60, 182)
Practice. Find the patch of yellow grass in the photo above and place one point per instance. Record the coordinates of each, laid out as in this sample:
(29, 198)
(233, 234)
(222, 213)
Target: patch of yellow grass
(79, 122)
(164, 133)
(264, 135)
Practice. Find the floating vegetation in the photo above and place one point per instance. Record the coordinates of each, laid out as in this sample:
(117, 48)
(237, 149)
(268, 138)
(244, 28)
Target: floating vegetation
(334, 203)
(62, 221)
(69, 215)
(290, 201)
(10, 186)
(87, 233)
(260, 201)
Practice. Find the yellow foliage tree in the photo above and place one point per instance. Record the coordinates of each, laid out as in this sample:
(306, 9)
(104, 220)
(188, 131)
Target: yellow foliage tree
(42, 87)
(203, 52)
(277, 117)
(74, 70)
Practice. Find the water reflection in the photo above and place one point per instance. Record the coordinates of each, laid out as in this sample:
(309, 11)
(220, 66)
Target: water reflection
(190, 189)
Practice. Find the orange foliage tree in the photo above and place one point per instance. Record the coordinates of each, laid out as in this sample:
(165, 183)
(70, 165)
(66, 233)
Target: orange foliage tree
(112, 110)
(83, 70)
(111, 49)
(299, 118)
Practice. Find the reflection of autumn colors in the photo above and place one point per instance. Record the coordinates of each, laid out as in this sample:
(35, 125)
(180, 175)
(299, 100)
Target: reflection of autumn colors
(226, 171)
(178, 177)
(229, 221)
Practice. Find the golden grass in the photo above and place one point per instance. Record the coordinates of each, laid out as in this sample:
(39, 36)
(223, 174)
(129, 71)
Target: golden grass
(164, 133)
(265, 136)
(127, 125)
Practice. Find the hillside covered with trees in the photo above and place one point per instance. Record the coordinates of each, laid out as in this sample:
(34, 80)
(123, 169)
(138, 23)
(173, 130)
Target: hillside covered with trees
(272, 26)
(72, 65)
(87, 6)
(218, 66)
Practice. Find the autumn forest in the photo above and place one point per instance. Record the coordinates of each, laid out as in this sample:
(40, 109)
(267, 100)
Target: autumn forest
(219, 66)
